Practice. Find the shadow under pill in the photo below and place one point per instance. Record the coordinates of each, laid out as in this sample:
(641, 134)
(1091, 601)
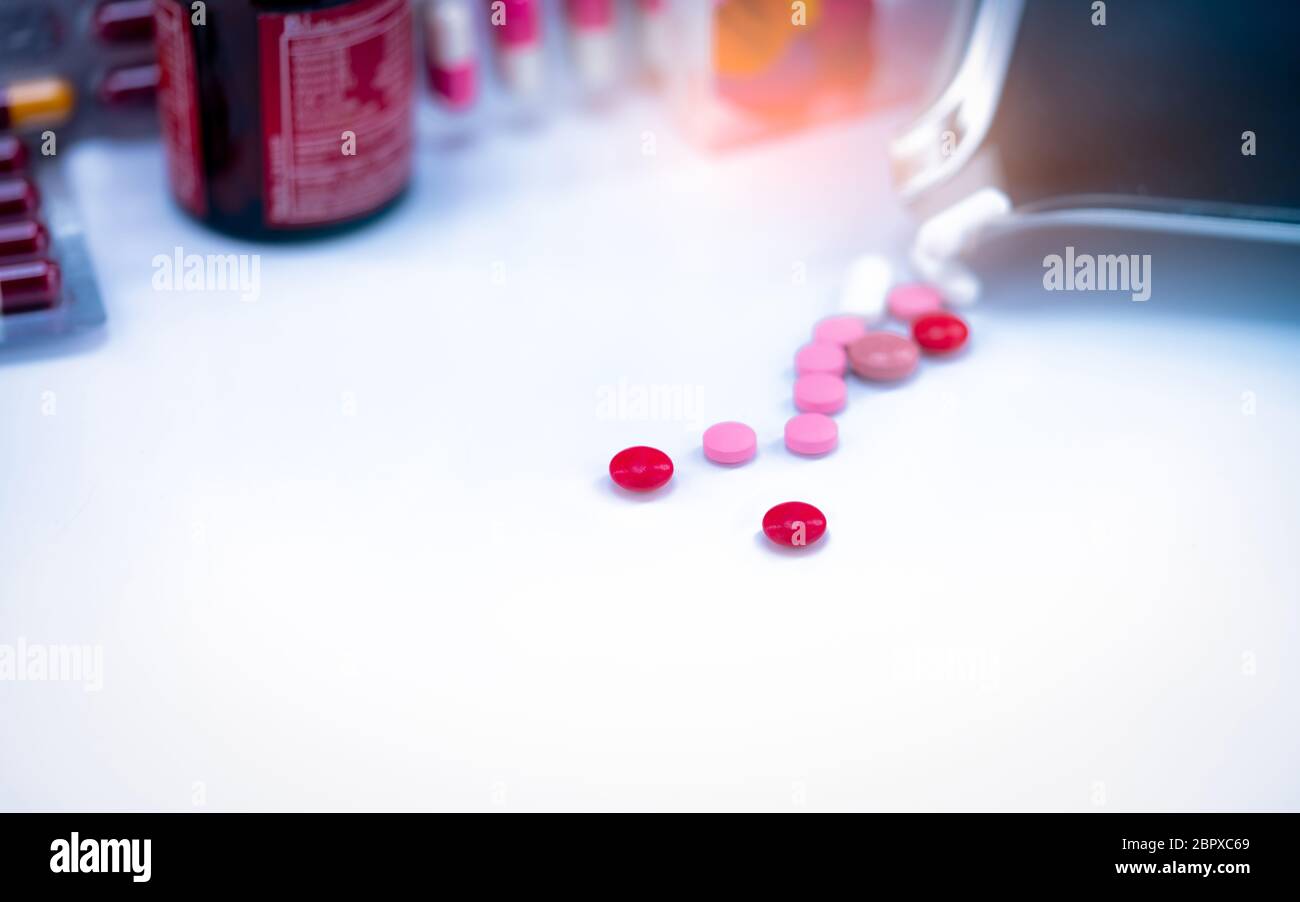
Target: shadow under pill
(739, 465)
(946, 359)
(771, 547)
(881, 386)
(618, 491)
(778, 447)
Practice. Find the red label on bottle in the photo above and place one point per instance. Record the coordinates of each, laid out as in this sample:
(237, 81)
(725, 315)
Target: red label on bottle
(178, 105)
(337, 88)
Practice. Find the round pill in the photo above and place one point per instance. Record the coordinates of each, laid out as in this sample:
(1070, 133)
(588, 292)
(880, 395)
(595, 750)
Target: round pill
(940, 333)
(839, 330)
(641, 469)
(819, 393)
(730, 443)
(907, 302)
(883, 356)
(818, 357)
(811, 433)
(794, 523)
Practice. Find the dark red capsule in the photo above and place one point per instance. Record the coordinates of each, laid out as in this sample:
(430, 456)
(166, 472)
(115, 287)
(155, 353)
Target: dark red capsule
(13, 154)
(25, 238)
(29, 286)
(940, 333)
(18, 197)
(127, 85)
(794, 523)
(124, 21)
(641, 469)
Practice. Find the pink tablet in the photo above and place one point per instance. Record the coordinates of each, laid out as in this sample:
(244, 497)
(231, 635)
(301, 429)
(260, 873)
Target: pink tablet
(819, 393)
(730, 443)
(839, 330)
(907, 302)
(884, 356)
(811, 433)
(820, 357)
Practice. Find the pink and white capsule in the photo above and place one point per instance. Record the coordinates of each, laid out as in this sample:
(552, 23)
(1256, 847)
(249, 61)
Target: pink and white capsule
(450, 55)
(655, 36)
(517, 31)
(593, 42)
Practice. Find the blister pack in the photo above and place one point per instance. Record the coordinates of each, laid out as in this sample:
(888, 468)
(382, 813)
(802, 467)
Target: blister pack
(67, 68)
(47, 285)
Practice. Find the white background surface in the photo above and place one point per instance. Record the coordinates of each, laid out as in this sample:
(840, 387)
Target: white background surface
(353, 545)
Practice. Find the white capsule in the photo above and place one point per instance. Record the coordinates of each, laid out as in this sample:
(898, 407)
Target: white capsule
(449, 33)
(957, 283)
(948, 234)
(866, 286)
(656, 38)
(960, 287)
(522, 69)
(595, 57)
(942, 239)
